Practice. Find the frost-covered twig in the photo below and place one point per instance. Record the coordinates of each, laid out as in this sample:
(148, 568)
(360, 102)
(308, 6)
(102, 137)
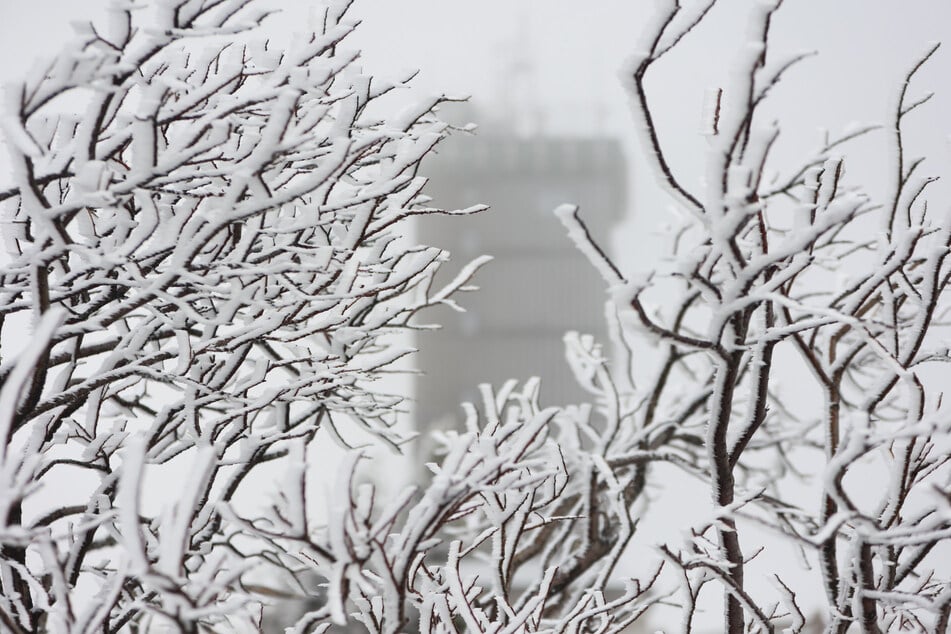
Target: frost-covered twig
(207, 259)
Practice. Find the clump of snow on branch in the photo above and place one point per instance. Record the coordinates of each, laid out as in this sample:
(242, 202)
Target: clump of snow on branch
(491, 540)
(807, 263)
(207, 260)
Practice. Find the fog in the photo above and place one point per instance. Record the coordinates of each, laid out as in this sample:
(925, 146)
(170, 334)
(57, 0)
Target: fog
(551, 66)
(548, 69)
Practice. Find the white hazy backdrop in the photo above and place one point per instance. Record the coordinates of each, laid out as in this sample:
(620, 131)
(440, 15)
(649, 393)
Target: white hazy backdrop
(552, 67)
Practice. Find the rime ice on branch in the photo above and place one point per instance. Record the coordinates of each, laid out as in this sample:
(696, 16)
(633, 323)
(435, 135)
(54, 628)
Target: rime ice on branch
(205, 262)
(758, 271)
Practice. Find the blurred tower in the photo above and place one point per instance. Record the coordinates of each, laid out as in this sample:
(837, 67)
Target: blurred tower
(538, 286)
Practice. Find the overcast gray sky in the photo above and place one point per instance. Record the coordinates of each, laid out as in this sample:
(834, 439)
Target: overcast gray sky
(565, 54)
